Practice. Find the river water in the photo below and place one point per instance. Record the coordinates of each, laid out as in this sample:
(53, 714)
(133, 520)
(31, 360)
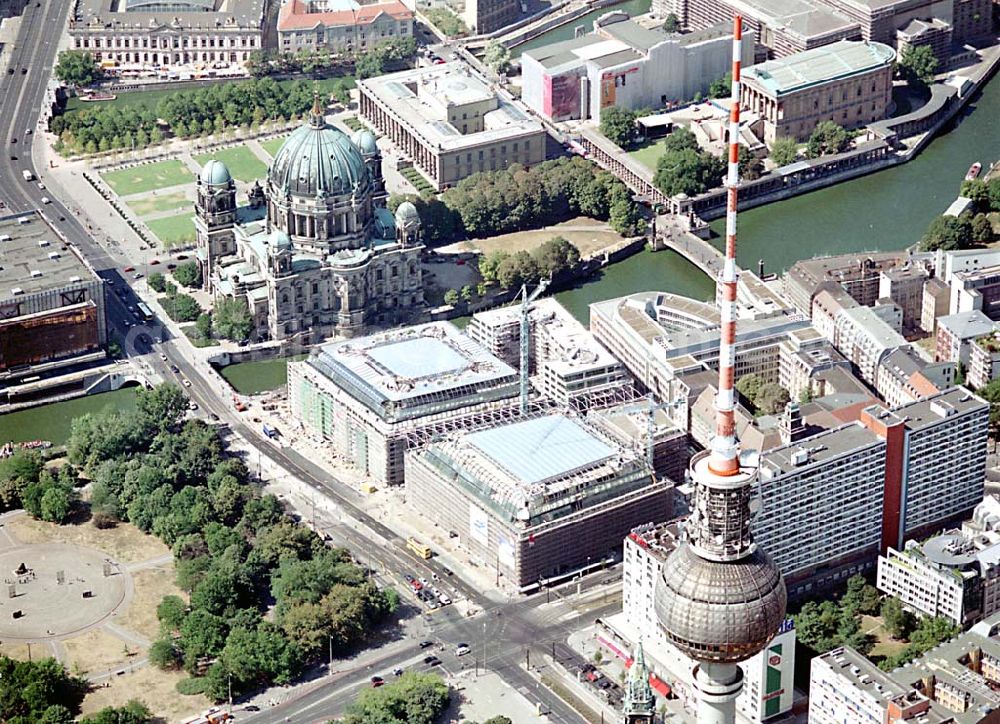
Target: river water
(565, 32)
(53, 422)
(882, 211)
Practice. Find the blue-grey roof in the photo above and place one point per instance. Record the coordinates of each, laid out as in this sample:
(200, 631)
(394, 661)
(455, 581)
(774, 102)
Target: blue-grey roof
(318, 160)
(967, 325)
(541, 448)
(215, 173)
(420, 357)
(365, 141)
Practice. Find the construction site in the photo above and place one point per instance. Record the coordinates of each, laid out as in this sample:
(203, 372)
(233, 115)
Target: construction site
(51, 300)
(538, 500)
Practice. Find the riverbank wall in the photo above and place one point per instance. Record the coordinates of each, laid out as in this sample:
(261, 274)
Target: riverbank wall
(883, 151)
(548, 21)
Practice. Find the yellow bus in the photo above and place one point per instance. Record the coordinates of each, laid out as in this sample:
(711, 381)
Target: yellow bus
(419, 548)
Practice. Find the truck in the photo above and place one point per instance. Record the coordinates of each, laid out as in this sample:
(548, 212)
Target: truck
(28, 176)
(271, 432)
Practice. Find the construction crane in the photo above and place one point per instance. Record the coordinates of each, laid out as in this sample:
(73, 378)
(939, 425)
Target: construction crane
(525, 335)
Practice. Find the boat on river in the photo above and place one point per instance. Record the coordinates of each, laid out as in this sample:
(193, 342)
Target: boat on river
(973, 172)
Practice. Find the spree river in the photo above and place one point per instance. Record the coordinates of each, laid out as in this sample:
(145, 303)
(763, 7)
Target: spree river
(882, 211)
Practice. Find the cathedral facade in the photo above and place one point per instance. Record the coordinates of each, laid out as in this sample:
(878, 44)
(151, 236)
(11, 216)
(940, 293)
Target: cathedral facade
(316, 253)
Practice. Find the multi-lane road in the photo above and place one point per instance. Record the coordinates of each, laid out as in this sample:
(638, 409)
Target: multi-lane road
(508, 630)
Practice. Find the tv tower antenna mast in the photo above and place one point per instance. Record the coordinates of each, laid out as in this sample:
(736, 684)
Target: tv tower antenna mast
(720, 598)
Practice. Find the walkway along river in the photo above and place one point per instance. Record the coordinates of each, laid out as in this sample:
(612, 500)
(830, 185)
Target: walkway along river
(882, 211)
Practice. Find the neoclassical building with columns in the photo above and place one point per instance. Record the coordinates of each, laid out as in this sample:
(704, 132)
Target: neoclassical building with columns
(316, 253)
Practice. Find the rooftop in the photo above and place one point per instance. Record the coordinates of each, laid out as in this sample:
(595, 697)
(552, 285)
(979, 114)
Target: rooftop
(537, 450)
(33, 258)
(298, 15)
(432, 361)
(967, 325)
(221, 14)
(876, 328)
(422, 97)
(812, 451)
(801, 18)
(836, 61)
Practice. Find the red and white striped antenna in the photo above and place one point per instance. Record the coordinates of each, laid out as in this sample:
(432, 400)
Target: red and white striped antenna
(724, 459)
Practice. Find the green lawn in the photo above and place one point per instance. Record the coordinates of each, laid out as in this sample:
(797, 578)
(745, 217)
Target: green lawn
(412, 175)
(173, 230)
(649, 154)
(352, 122)
(242, 163)
(149, 204)
(159, 175)
(272, 145)
(191, 332)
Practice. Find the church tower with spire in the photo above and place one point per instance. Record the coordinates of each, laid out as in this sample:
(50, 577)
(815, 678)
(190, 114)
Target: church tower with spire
(639, 704)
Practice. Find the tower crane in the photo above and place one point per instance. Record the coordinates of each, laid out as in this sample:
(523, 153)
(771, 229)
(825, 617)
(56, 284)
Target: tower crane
(526, 300)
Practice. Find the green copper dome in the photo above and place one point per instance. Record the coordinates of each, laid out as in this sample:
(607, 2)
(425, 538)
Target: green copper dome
(215, 173)
(318, 160)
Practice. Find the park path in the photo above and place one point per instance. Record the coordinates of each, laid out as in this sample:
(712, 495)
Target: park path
(259, 151)
(188, 160)
(149, 563)
(127, 635)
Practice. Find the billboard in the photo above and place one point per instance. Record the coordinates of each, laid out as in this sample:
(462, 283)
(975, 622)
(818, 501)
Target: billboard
(562, 96)
(505, 552)
(51, 335)
(479, 525)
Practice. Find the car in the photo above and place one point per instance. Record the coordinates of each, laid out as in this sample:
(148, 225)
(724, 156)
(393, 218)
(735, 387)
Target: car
(186, 382)
(24, 71)
(432, 661)
(408, 578)
(129, 269)
(438, 61)
(398, 671)
(444, 600)
(423, 581)
(432, 604)
(592, 674)
(215, 418)
(192, 406)
(27, 131)
(175, 369)
(46, 200)
(171, 267)
(426, 644)
(13, 157)
(435, 590)
(447, 571)
(453, 56)
(462, 649)
(452, 534)
(416, 586)
(41, 186)
(377, 681)
(163, 357)
(137, 276)
(154, 262)
(435, 577)
(181, 257)
(251, 707)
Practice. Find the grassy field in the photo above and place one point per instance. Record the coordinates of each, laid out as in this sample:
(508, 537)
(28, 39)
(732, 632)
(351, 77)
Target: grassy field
(192, 333)
(125, 543)
(148, 177)
(649, 154)
(885, 645)
(157, 689)
(272, 145)
(242, 163)
(597, 235)
(173, 230)
(151, 585)
(147, 204)
(97, 651)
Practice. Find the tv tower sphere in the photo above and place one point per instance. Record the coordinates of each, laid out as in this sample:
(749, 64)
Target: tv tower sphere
(720, 599)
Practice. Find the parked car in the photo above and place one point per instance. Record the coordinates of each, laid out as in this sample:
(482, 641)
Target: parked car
(432, 661)
(426, 644)
(154, 262)
(408, 578)
(398, 671)
(175, 369)
(377, 681)
(447, 571)
(462, 649)
(129, 269)
(186, 382)
(444, 600)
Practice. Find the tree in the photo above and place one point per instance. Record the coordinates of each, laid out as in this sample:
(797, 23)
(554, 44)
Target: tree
(497, 56)
(976, 191)
(991, 393)
(451, 297)
(203, 325)
(162, 407)
(982, 229)
(721, 87)
(134, 712)
(917, 64)
(682, 169)
(750, 167)
(993, 189)
(56, 504)
(671, 24)
(468, 293)
(28, 689)
(555, 256)
(827, 138)
(948, 233)
(898, 621)
(618, 126)
(171, 612)
(164, 654)
(749, 386)
(771, 398)
(232, 320)
(188, 274)
(414, 698)
(77, 68)
(157, 282)
(369, 65)
(182, 307)
(784, 150)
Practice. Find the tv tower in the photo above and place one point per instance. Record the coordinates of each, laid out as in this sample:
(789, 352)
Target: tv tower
(720, 598)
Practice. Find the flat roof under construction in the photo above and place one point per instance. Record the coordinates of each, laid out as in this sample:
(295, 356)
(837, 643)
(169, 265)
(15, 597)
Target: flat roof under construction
(411, 362)
(542, 448)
